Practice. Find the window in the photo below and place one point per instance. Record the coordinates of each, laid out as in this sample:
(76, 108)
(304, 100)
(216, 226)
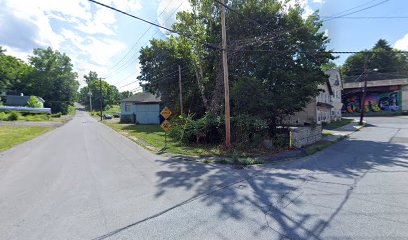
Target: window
(127, 107)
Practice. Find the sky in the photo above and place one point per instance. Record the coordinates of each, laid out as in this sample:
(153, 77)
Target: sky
(98, 39)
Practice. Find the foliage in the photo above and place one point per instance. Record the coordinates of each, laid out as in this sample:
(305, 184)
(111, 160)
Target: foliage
(3, 116)
(14, 116)
(110, 93)
(71, 110)
(14, 73)
(13, 135)
(382, 57)
(154, 136)
(271, 75)
(33, 102)
(56, 115)
(53, 79)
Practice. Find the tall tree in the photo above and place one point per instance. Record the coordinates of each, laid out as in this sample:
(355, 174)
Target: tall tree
(109, 92)
(13, 74)
(382, 57)
(276, 51)
(54, 79)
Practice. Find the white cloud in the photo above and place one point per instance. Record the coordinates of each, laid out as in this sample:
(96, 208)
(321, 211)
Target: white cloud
(288, 4)
(319, 1)
(402, 44)
(167, 11)
(82, 30)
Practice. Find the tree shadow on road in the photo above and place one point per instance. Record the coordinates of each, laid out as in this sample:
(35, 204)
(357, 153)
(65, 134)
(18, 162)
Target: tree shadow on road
(273, 188)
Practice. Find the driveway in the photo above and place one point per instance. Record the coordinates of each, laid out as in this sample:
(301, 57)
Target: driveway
(84, 181)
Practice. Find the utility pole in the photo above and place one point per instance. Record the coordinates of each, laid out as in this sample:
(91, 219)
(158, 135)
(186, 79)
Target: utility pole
(180, 92)
(226, 83)
(362, 108)
(90, 100)
(100, 96)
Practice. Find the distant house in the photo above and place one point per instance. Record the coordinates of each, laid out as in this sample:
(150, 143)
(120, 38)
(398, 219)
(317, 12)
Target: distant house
(141, 108)
(19, 100)
(326, 107)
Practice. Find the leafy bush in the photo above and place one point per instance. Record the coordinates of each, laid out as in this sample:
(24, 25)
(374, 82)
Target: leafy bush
(71, 110)
(33, 102)
(36, 117)
(56, 115)
(14, 116)
(206, 130)
(3, 116)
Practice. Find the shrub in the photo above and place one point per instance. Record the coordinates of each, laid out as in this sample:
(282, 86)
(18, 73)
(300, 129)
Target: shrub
(207, 130)
(71, 110)
(33, 102)
(56, 115)
(14, 116)
(3, 116)
(36, 117)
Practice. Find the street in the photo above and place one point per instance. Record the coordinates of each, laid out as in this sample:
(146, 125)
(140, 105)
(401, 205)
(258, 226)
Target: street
(85, 181)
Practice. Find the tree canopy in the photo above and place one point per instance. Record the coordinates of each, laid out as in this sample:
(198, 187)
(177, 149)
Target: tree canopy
(275, 59)
(49, 74)
(110, 93)
(388, 62)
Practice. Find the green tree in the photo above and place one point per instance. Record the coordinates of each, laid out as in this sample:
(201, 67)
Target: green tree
(277, 53)
(53, 79)
(124, 94)
(13, 73)
(109, 92)
(382, 56)
(33, 102)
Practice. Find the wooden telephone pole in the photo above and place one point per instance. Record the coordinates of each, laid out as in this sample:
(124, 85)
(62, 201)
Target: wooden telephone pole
(226, 83)
(363, 98)
(100, 97)
(180, 93)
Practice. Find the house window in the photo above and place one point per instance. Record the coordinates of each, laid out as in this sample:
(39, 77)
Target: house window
(127, 107)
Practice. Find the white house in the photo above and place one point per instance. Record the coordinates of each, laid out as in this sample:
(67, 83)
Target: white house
(327, 105)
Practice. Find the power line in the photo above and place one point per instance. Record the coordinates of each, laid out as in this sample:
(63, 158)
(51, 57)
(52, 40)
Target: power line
(133, 16)
(360, 10)
(154, 24)
(140, 38)
(243, 15)
(314, 51)
(133, 58)
(154, 81)
(350, 9)
(376, 17)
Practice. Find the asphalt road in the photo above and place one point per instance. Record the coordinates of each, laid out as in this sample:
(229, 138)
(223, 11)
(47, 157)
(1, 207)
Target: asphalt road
(84, 181)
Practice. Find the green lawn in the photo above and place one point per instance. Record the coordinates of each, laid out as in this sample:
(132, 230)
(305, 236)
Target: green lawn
(112, 109)
(337, 124)
(13, 135)
(154, 136)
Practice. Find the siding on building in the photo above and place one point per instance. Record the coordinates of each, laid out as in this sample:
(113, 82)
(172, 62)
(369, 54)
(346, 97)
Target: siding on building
(143, 108)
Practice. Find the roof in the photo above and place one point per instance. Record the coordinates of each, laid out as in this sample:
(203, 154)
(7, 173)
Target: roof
(16, 100)
(322, 104)
(377, 83)
(143, 97)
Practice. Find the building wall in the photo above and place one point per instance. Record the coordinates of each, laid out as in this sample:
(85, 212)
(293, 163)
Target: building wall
(308, 116)
(141, 113)
(303, 136)
(404, 98)
(375, 102)
(337, 87)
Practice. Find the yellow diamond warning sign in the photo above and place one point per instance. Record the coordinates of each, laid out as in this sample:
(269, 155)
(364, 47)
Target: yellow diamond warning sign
(166, 125)
(166, 113)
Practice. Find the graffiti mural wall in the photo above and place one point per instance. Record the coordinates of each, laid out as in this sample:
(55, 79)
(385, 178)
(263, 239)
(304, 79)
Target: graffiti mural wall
(374, 102)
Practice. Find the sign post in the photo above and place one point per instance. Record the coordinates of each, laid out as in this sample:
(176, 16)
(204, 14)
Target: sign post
(166, 125)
